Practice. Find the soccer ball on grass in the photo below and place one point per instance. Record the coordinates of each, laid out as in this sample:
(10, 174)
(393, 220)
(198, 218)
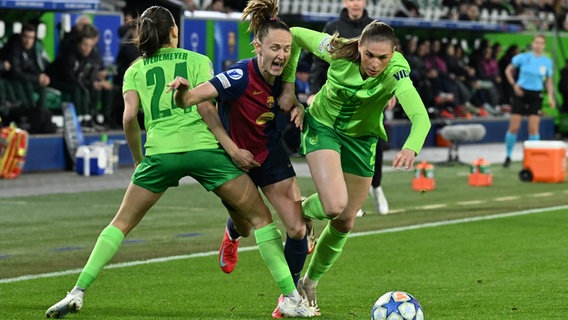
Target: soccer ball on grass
(397, 305)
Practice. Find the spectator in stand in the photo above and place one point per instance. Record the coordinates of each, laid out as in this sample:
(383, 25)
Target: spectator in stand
(534, 71)
(415, 52)
(407, 9)
(5, 66)
(234, 5)
(436, 72)
(477, 53)
(352, 19)
(496, 50)
(190, 5)
(487, 70)
(468, 12)
(28, 66)
(480, 94)
(506, 88)
(126, 30)
(127, 53)
(5, 96)
(216, 5)
(71, 37)
(458, 76)
(78, 72)
(470, 78)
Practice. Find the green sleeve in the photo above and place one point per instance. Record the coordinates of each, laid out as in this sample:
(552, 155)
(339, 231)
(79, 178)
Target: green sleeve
(203, 72)
(310, 40)
(414, 108)
(129, 82)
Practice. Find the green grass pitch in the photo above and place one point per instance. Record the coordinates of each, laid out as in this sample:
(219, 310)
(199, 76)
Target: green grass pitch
(465, 253)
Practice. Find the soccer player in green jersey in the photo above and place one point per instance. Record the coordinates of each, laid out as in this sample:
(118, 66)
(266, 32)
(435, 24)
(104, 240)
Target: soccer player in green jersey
(342, 126)
(178, 143)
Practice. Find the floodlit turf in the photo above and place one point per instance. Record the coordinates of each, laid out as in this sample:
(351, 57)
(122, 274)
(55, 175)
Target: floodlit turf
(506, 268)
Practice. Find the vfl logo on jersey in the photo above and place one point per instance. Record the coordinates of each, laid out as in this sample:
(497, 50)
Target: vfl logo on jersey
(314, 139)
(270, 102)
(224, 81)
(400, 75)
(264, 118)
(348, 97)
(235, 74)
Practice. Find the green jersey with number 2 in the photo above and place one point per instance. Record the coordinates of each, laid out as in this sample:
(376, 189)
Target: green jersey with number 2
(169, 128)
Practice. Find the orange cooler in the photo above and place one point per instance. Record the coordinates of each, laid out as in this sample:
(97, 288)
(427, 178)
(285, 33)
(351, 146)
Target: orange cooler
(546, 160)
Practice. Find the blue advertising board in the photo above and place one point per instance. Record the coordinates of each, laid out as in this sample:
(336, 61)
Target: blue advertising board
(109, 40)
(226, 49)
(194, 35)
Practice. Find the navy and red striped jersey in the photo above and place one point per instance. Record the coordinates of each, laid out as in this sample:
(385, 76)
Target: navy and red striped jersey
(248, 107)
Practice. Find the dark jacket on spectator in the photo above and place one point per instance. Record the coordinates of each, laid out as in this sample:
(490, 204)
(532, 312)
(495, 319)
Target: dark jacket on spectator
(27, 64)
(70, 66)
(346, 28)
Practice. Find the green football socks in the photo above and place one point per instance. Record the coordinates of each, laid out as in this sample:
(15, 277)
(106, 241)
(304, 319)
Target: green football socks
(328, 249)
(107, 245)
(313, 208)
(269, 242)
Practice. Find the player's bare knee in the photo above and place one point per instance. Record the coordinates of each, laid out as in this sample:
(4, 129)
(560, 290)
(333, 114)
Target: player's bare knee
(334, 210)
(296, 231)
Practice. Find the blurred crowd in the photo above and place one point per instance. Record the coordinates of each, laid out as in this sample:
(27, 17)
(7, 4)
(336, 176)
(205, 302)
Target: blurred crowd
(32, 86)
(530, 14)
(456, 84)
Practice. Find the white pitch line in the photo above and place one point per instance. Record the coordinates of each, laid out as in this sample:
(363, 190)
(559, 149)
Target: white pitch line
(13, 202)
(432, 206)
(542, 194)
(470, 203)
(352, 235)
(397, 211)
(511, 198)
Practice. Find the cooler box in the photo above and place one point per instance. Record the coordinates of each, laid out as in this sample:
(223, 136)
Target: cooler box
(545, 160)
(91, 160)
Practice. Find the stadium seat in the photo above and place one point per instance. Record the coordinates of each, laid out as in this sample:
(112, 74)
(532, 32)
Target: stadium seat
(16, 27)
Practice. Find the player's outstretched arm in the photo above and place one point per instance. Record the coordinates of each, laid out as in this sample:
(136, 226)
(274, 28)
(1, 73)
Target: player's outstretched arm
(183, 97)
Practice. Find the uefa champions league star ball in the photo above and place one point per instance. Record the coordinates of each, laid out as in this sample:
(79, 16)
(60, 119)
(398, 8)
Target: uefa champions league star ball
(397, 305)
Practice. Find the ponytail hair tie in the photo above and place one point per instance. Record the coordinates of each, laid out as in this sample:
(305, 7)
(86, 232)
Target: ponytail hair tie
(273, 19)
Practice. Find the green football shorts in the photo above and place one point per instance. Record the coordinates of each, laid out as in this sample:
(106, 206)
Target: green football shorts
(357, 153)
(210, 167)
